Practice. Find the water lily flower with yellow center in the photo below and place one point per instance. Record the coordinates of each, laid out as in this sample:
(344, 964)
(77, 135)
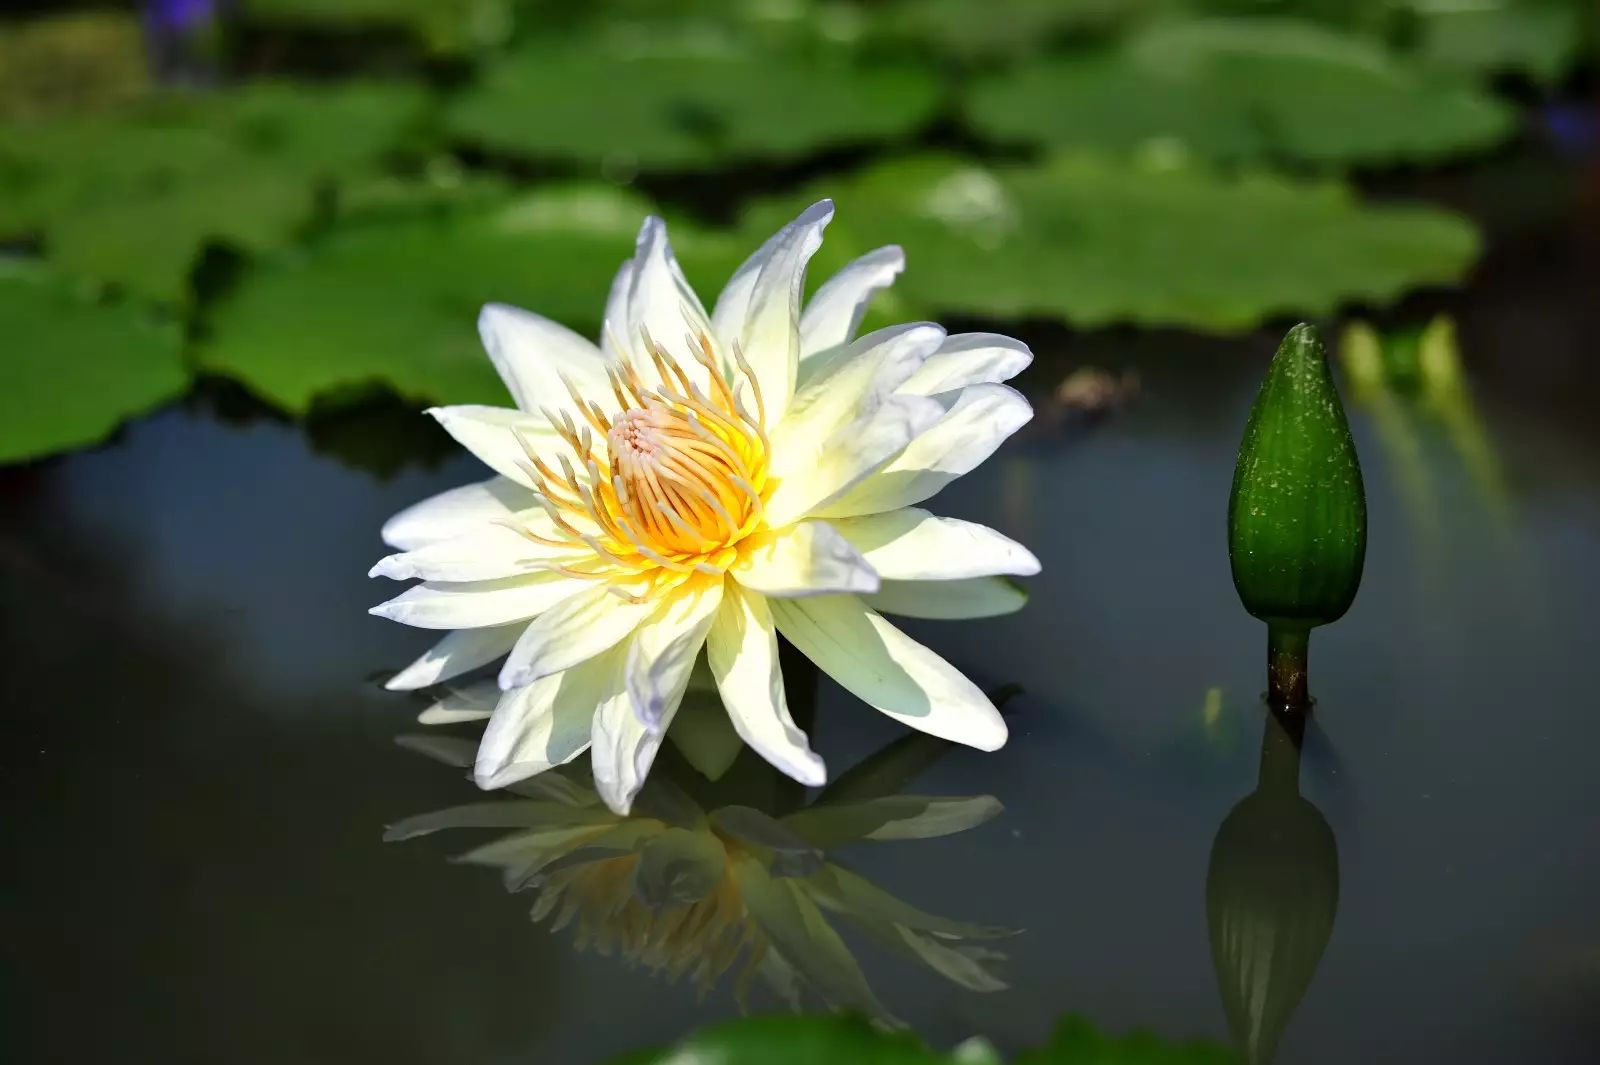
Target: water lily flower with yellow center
(709, 481)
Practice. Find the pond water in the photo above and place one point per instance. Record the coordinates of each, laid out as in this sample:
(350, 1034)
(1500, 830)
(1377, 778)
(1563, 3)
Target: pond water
(200, 760)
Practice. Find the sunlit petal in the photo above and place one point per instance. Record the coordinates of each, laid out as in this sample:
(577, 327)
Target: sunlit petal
(759, 311)
(974, 597)
(545, 723)
(460, 652)
(457, 511)
(742, 649)
(580, 627)
(476, 604)
(492, 434)
(912, 544)
(888, 670)
(536, 357)
(978, 422)
(834, 313)
(969, 359)
(805, 559)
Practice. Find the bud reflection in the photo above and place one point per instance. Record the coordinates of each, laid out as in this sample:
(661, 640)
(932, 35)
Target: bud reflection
(1272, 890)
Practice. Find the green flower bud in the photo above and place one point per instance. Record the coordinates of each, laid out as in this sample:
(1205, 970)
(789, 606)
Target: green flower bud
(1297, 518)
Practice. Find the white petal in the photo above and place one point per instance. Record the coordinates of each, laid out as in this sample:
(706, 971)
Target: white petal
(742, 650)
(477, 604)
(979, 420)
(760, 309)
(855, 382)
(533, 355)
(658, 659)
(487, 552)
(911, 544)
(887, 669)
(835, 311)
(452, 513)
(475, 702)
(544, 724)
(491, 433)
(584, 625)
(972, 597)
(660, 303)
(616, 319)
(809, 558)
(661, 659)
(852, 455)
(457, 653)
(969, 359)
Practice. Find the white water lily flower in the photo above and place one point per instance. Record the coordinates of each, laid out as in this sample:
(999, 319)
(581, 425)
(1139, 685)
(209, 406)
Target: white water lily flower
(708, 481)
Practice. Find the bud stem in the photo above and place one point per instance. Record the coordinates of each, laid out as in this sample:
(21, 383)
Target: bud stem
(1288, 648)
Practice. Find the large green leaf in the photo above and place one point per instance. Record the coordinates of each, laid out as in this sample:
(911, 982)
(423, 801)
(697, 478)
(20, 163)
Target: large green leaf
(680, 106)
(1099, 241)
(1242, 89)
(72, 368)
(394, 301)
(132, 198)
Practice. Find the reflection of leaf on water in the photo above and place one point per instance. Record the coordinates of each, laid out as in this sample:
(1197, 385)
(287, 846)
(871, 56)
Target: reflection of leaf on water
(1242, 89)
(699, 891)
(1403, 379)
(1099, 241)
(669, 106)
(853, 1041)
(392, 300)
(132, 198)
(73, 367)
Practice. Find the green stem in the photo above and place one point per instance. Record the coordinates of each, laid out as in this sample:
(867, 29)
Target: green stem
(1288, 648)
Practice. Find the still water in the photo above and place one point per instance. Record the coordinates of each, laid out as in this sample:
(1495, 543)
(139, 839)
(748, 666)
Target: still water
(200, 762)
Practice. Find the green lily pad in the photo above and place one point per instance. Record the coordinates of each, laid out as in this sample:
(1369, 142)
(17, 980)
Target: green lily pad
(1242, 90)
(1099, 241)
(74, 368)
(394, 301)
(680, 106)
(131, 199)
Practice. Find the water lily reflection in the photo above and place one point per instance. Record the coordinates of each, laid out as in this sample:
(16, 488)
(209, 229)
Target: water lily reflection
(707, 887)
(1272, 890)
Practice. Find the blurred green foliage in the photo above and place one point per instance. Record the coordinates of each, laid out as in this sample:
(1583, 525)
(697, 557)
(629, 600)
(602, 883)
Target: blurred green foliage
(1076, 169)
(131, 197)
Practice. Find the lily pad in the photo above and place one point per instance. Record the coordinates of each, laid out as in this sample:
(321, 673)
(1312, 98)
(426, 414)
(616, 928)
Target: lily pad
(395, 301)
(1099, 241)
(74, 368)
(132, 198)
(1539, 40)
(676, 106)
(1243, 90)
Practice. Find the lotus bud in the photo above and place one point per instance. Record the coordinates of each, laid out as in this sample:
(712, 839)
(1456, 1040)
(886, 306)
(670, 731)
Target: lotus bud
(1297, 517)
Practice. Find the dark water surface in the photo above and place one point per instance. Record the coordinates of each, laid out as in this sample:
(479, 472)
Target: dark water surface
(200, 762)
